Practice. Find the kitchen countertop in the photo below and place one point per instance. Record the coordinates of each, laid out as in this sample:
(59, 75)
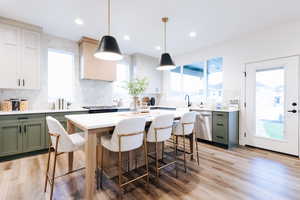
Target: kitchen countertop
(195, 108)
(216, 110)
(104, 120)
(41, 111)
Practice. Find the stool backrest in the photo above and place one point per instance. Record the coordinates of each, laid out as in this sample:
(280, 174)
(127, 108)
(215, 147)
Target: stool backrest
(65, 143)
(130, 134)
(162, 126)
(187, 121)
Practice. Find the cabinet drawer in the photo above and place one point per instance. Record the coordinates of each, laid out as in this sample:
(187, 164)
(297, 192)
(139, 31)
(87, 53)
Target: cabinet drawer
(220, 127)
(220, 115)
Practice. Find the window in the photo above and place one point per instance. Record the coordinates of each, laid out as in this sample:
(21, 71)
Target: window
(60, 75)
(200, 80)
(123, 74)
(175, 83)
(214, 78)
(193, 78)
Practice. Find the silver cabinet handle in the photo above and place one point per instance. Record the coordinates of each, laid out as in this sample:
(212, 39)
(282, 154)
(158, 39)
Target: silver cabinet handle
(23, 82)
(19, 82)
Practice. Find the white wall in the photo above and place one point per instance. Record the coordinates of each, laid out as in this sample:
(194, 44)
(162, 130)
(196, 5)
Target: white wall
(272, 42)
(145, 66)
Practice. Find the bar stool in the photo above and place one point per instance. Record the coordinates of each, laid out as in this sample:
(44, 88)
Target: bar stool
(160, 131)
(127, 136)
(62, 142)
(184, 128)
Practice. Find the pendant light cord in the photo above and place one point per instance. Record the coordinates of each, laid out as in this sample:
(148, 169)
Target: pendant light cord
(165, 37)
(165, 20)
(109, 16)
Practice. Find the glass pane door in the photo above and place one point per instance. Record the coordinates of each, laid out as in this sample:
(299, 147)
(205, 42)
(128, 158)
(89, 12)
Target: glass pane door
(270, 103)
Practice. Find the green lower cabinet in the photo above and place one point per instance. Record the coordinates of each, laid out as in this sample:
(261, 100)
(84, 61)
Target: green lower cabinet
(34, 135)
(10, 137)
(225, 127)
(22, 133)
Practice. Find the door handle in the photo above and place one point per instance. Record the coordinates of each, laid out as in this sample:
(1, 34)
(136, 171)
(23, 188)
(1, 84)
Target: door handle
(292, 111)
(23, 82)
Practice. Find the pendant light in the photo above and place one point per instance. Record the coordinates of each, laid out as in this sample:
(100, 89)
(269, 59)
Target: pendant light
(166, 62)
(108, 48)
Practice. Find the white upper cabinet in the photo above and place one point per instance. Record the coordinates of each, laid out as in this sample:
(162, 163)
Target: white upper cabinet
(19, 58)
(9, 56)
(30, 60)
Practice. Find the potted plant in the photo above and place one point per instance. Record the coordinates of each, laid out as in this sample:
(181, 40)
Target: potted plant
(135, 88)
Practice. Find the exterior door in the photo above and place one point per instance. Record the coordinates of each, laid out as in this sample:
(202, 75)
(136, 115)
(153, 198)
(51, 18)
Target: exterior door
(272, 91)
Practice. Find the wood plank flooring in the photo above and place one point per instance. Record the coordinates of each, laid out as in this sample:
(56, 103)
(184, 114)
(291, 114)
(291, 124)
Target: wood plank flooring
(241, 173)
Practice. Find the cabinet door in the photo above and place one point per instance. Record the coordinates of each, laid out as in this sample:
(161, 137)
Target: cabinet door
(220, 127)
(10, 137)
(10, 56)
(33, 134)
(30, 68)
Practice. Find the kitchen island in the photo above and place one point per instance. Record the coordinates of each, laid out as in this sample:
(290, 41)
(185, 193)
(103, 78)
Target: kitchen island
(96, 125)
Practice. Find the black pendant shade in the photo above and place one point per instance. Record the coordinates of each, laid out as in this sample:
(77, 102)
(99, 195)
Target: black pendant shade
(166, 62)
(108, 49)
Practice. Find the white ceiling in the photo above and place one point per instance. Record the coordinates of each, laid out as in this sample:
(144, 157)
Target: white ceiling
(213, 20)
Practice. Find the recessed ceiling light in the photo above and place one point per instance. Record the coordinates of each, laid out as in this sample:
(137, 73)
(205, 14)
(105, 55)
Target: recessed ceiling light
(192, 34)
(78, 21)
(158, 48)
(126, 37)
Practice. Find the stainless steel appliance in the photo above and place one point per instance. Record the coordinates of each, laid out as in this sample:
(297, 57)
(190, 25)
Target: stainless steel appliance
(203, 125)
(104, 109)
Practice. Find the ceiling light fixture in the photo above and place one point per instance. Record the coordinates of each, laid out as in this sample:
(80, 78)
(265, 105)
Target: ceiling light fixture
(158, 48)
(78, 21)
(166, 62)
(126, 37)
(192, 34)
(108, 48)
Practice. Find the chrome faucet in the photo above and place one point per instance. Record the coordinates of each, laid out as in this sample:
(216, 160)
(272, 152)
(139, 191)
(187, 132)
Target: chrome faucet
(187, 97)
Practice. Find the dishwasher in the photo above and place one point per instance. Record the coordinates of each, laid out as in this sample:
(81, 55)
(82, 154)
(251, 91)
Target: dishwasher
(203, 125)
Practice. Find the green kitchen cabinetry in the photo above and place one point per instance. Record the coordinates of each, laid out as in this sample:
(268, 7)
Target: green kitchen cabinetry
(34, 134)
(21, 133)
(225, 128)
(10, 137)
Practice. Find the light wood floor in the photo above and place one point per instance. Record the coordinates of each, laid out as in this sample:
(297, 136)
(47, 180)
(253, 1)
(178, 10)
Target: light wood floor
(242, 173)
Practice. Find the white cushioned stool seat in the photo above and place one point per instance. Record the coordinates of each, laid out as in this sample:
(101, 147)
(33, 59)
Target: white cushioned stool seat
(124, 127)
(67, 142)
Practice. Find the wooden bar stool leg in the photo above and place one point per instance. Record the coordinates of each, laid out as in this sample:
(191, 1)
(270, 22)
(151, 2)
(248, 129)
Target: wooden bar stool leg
(176, 137)
(53, 174)
(47, 171)
(175, 155)
(163, 150)
(197, 149)
(101, 170)
(146, 160)
(191, 138)
(156, 161)
(120, 173)
(184, 156)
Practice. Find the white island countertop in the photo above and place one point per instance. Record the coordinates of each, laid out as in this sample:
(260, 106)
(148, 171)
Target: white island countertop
(104, 120)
